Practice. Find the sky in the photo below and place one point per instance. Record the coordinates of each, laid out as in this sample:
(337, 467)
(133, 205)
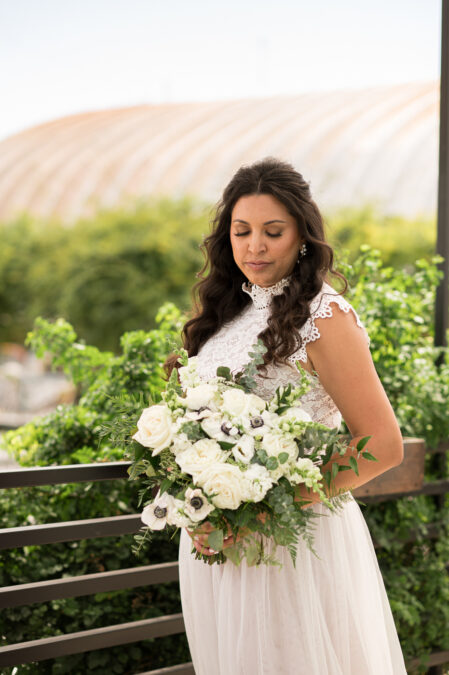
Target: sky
(60, 57)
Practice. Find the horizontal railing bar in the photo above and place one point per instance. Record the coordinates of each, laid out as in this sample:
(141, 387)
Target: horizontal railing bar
(52, 533)
(58, 475)
(70, 587)
(88, 640)
(55, 533)
(78, 473)
(437, 487)
(87, 584)
(181, 669)
(435, 659)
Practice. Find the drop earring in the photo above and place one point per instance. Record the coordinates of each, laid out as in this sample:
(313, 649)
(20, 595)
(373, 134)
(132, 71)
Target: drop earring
(302, 252)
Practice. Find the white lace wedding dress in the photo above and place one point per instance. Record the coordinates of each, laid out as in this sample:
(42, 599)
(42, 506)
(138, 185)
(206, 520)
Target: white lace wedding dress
(330, 615)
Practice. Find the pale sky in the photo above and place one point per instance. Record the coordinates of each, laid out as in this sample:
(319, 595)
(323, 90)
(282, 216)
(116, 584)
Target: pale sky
(60, 57)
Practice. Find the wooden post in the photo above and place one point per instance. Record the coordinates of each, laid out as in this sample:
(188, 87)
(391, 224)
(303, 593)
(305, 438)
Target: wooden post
(442, 295)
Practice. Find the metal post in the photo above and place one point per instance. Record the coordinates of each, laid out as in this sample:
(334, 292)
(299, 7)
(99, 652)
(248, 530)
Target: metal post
(442, 295)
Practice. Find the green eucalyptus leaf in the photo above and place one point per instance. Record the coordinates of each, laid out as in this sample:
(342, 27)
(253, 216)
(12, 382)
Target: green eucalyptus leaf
(353, 464)
(368, 455)
(215, 540)
(362, 442)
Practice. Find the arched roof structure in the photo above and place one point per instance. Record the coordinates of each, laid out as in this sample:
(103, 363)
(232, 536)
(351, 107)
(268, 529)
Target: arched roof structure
(378, 144)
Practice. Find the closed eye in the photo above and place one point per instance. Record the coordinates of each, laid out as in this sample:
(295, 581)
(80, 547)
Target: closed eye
(243, 234)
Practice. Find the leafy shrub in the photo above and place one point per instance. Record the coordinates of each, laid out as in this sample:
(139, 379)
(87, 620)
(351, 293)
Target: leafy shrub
(105, 276)
(399, 239)
(109, 274)
(71, 435)
(397, 309)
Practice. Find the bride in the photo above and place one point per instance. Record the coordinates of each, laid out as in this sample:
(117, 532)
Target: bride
(268, 275)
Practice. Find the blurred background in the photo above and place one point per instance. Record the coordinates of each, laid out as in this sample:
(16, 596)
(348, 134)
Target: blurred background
(122, 122)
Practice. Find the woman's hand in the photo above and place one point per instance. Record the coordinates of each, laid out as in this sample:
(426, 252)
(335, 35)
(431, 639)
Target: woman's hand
(200, 538)
(200, 535)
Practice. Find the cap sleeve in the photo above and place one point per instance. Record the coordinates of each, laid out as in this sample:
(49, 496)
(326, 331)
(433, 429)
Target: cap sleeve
(320, 308)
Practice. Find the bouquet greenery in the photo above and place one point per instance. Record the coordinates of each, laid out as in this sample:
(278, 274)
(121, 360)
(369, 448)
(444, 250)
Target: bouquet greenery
(216, 451)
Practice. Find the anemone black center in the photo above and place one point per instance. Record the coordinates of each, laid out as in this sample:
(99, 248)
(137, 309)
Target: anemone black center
(196, 502)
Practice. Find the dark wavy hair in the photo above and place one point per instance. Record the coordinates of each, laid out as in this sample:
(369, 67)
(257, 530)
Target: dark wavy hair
(218, 296)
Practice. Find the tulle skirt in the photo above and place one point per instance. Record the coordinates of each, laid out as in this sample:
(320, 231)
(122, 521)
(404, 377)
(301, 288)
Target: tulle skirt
(328, 616)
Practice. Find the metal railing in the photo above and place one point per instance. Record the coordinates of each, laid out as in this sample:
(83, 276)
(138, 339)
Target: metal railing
(125, 633)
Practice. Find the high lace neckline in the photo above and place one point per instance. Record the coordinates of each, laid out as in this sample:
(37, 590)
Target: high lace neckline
(261, 295)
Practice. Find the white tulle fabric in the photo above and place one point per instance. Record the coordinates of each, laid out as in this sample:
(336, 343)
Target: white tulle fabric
(330, 615)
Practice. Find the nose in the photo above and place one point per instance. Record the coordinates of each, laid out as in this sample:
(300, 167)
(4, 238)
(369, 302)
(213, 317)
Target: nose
(256, 243)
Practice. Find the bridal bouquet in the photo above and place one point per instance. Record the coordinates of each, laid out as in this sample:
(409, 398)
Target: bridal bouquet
(217, 452)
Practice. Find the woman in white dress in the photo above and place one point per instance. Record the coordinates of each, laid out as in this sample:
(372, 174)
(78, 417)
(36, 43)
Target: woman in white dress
(268, 265)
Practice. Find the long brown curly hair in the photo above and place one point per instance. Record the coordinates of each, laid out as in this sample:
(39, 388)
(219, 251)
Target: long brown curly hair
(218, 297)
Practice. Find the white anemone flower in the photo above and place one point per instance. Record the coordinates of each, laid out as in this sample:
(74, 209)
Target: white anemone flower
(243, 450)
(196, 504)
(213, 426)
(156, 514)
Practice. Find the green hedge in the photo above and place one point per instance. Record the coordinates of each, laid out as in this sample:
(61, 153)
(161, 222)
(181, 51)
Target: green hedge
(399, 239)
(397, 309)
(109, 274)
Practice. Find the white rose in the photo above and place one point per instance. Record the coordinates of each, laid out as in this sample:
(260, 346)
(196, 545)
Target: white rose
(154, 428)
(296, 414)
(180, 445)
(200, 455)
(243, 450)
(198, 397)
(274, 443)
(280, 470)
(226, 481)
(238, 404)
(196, 504)
(155, 515)
(257, 482)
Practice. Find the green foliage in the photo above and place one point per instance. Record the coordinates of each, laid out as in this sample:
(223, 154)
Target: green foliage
(109, 274)
(396, 306)
(399, 239)
(105, 275)
(415, 573)
(71, 435)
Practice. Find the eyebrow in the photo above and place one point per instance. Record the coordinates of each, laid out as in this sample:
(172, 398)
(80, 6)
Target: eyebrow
(269, 222)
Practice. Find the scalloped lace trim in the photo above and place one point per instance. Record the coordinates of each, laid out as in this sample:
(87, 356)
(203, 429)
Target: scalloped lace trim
(261, 295)
(320, 308)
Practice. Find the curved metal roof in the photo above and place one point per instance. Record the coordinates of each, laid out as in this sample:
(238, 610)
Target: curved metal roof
(380, 143)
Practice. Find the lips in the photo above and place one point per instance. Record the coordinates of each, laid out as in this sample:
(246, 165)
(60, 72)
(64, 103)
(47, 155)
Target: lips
(257, 264)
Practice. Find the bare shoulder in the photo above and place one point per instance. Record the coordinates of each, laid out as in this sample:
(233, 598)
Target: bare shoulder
(343, 361)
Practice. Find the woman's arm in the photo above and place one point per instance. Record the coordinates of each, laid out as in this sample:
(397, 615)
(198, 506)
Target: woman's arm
(343, 361)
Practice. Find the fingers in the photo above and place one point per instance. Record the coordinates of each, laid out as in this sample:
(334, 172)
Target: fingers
(229, 541)
(203, 549)
(200, 537)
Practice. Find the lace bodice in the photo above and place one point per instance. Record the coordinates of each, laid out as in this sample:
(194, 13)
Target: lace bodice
(231, 344)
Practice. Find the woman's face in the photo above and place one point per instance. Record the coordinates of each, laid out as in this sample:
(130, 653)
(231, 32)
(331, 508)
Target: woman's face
(264, 238)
